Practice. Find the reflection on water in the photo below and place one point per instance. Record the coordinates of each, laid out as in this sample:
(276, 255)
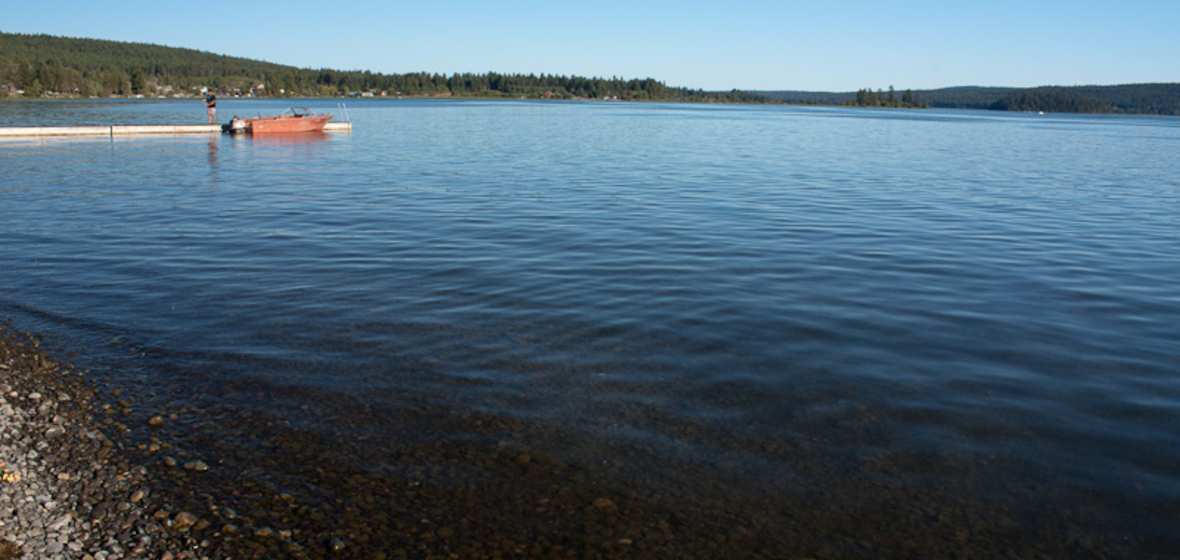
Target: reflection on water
(287, 139)
(635, 330)
(214, 142)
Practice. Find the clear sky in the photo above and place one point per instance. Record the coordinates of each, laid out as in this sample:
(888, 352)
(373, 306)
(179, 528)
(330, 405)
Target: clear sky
(714, 45)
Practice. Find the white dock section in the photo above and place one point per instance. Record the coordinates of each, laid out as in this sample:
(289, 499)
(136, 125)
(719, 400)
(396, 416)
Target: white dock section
(124, 130)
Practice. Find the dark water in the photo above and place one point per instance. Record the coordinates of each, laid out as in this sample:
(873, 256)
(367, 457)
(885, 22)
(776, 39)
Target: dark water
(756, 331)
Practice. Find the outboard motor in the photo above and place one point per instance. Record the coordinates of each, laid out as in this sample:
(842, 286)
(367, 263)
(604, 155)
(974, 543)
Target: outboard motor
(235, 126)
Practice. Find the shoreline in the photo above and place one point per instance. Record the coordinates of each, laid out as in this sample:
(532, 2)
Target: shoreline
(69, 491)
(89, 489)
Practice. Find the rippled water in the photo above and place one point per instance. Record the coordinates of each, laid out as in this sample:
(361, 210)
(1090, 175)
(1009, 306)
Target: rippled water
(770, 331)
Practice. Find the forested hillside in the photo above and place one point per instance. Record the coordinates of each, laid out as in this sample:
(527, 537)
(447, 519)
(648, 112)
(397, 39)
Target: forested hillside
(47, 66)
(1147, 99)
(1046, 101)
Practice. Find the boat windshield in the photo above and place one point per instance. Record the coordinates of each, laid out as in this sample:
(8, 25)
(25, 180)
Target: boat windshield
(298, 112)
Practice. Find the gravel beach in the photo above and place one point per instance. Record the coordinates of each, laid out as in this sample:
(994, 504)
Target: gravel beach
(67, 492)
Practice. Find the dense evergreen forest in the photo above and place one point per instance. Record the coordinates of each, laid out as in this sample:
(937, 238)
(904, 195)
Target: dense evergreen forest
(1147, 99)
(48, 66)
(1051, 102)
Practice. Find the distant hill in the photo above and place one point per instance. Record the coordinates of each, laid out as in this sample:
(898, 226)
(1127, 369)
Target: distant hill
(1148, 99)
(55, 66)
(49, 66)
(947, 98)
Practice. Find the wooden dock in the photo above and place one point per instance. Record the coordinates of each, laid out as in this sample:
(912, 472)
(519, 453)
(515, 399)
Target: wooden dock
(127, 130)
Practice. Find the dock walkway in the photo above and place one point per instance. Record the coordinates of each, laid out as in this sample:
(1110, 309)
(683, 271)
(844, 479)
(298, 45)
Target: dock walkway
(124, 130)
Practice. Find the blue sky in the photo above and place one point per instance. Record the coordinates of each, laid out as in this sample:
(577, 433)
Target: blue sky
(744, 44)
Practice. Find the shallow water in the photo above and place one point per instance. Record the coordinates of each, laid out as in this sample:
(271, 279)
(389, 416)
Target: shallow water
(756, 330)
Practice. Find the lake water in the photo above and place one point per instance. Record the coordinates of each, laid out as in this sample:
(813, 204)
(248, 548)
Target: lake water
(533, 329)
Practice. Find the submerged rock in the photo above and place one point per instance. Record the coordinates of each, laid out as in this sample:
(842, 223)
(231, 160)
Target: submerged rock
(196, 466)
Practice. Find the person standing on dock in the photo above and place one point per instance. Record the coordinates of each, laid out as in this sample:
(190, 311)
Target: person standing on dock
(211, 107)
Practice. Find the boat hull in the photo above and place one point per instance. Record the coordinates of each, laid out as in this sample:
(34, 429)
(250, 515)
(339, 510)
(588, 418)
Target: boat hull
(287, 124)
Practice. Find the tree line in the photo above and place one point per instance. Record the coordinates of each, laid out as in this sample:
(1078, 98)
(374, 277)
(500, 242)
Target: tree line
(49, 66)
(1144, 99)
(1051, 102)
(868, 98)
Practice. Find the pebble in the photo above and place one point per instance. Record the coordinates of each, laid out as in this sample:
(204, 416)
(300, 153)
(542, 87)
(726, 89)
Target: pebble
(196, 466)
(184, 519)
(59, 524)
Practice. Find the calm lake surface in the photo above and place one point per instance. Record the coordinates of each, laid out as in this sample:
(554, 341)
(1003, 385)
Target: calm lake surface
(529, 329)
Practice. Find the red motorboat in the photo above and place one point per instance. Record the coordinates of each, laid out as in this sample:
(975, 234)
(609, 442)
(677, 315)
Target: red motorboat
(295, 119)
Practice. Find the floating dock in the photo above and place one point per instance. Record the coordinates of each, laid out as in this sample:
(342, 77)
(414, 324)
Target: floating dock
(126, 130)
